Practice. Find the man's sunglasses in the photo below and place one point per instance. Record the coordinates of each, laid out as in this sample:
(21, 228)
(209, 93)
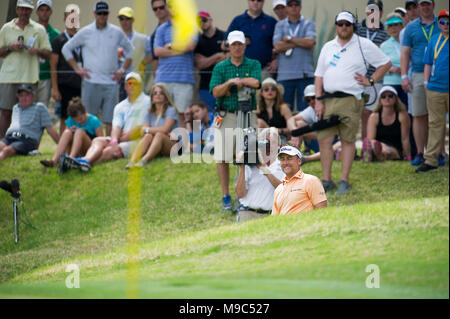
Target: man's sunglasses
(102, 13)
(257, 0)
(347, 24)
(385, 96)
(158, 8)
(204, 20)
(296, 4)
(309, 99)
(444, 22)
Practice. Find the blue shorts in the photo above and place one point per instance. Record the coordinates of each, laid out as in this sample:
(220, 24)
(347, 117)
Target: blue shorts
(22, 145)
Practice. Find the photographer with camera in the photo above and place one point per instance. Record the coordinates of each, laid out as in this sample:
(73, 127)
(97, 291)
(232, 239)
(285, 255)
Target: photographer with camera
(231, 84)
(257, 182)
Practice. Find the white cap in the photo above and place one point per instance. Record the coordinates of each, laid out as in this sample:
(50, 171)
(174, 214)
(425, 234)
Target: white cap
(279, 2)
(236, 36)
(42, 2)
(133, 75)
(310, 90)
(388, 88)
(25, 4)
(290, 150)
(347, 16)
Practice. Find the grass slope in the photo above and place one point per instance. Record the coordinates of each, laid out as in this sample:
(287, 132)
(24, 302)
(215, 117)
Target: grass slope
(191, 249)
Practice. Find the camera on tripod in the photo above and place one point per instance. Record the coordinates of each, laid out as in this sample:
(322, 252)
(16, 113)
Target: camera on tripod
(14, 189)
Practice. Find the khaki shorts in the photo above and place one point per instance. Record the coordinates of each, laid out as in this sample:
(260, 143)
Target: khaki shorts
(8, 95)
(225, 137)
(128, 148)
(418, 96)
(349, 110)
(43, 92)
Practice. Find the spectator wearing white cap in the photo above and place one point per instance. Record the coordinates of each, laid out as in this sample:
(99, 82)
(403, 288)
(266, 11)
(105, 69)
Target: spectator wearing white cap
(44, 12)
(387, 129)
(128, 119)
(299, 192)
(279, 8)
(294, 39)
(22, 43)
(138, 40)
(339, 86)
(232, 80)
(100, 42)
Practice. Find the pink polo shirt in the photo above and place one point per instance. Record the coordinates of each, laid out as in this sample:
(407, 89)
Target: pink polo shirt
(298, 194)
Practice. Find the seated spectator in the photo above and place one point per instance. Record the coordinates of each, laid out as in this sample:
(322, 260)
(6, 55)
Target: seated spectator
(298, 192)
(202, 135)
(388, 129)
(256, 183)
(28, 121)
(159, 122)
(128, 118)
(271, 110)
(82, 128)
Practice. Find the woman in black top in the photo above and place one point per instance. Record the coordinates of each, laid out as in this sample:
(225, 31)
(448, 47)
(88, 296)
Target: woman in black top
(272, 111)
(387, 129)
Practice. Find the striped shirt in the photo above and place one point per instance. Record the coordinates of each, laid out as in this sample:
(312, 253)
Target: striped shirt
(226, 70)
(30, 121)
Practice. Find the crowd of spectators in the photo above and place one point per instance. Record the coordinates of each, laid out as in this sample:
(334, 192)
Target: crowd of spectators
(391, 77)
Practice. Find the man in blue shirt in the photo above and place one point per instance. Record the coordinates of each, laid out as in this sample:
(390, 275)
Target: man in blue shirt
(436, 83)
(417, 35)
(258, 28)
(294, 39)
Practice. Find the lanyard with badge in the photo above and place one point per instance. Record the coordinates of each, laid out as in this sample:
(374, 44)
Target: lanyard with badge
(437, 52)
(428, 36)
(337, 56)
(371, 38)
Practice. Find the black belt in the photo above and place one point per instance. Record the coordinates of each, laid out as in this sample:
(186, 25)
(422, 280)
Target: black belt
(19, 135)
(337, 94)
(259, 211)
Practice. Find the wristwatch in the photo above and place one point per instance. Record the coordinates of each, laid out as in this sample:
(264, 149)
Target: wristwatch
(288, 37)
(372, 82)
(147, 130)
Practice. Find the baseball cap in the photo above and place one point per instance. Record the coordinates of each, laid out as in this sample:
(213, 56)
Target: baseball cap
(408, 2)
(126, 12)
(101, 6)
(133, 75)
(290, 150)
(25, 87)
(379, 3)
(289, 1)
(278, 3)
(443, 13)
(345, 15)
(234, 36)
(400, 11)
(25, 4)
(44, 2)
(388, 88)
(204, 14)
(429, 1)
(310, 90)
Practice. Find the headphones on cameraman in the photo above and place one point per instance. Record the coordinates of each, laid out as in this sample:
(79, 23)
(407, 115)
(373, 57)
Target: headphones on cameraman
(355, 19)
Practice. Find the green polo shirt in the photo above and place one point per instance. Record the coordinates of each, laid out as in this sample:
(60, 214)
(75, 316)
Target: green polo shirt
(226, 70)
(44, 70)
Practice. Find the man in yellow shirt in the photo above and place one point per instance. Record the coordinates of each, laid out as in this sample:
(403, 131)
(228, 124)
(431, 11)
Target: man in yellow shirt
(299, 192)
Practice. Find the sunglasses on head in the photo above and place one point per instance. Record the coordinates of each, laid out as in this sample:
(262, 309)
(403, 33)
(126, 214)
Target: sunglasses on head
(102, 13)
(158, 8)
(444, 22)
(346, 23)
(388, 95)
(270, 88)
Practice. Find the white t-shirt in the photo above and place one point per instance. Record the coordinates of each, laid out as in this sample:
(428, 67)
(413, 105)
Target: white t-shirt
(127, 115)
(259, 189)
(309, 115)
(337, 65)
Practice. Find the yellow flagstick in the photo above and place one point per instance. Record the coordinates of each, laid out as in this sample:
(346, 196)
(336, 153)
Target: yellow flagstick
(140, 24)
(185, 26)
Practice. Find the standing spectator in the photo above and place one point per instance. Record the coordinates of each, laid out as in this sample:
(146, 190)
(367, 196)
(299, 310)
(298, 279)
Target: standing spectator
(207, 54)
(258, 28)
(66, 84)
(201, 134)
(298, 192)
(417, 35)
(162, 13)
(392, 48)
(377, 36)
(412, 11)
(242, 74)
(279, 8)
(22, 42)
(175, 69)
(339, 86)
(28, 122)
(100, 41)
(294, 40)
(44, 12)
(436, 83)
(138, 40)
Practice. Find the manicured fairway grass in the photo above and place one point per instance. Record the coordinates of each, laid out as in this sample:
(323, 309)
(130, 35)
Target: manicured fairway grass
(189, 248)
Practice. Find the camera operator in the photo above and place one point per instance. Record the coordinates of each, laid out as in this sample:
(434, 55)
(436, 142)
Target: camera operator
(257, 182)
(231, 84)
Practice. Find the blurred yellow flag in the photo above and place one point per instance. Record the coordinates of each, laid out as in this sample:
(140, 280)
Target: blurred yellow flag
(184, 20)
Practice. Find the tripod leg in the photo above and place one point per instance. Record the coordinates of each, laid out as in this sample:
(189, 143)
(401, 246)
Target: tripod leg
(16, 222)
